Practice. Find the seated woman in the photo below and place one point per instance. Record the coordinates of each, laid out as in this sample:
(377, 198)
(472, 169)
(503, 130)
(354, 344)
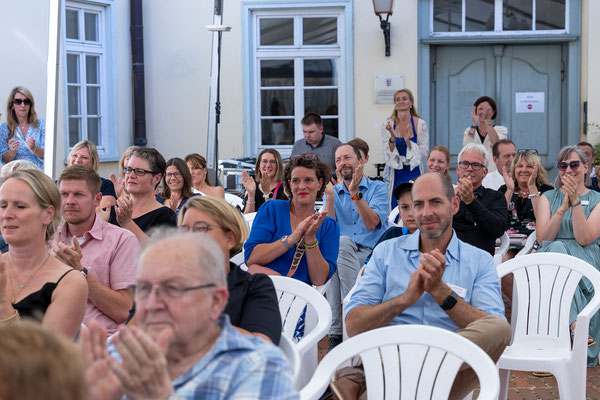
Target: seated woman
(569, 217)
(139, 211)
(34, 283)
(438, 160)
(85, 153)
(289, 237)
(177, 185)
(252, 306)
(267, 184)
(201, 184)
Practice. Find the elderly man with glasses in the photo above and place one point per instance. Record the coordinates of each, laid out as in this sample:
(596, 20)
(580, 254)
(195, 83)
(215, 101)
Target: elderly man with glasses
(483, 213)
(183, 345)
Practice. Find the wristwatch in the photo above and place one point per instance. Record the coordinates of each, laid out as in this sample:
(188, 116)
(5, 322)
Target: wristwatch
(285, 242)
(450, 301)
(84, 271)
(358, 196)
(576, 204)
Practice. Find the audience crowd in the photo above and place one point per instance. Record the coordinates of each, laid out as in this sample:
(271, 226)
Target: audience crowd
(139, 267)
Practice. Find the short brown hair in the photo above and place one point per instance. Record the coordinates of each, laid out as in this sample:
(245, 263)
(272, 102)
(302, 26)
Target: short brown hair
(80, 172)
(312, 118)
(491, 101)
(495, 151)
(310, 161)
(360, 145)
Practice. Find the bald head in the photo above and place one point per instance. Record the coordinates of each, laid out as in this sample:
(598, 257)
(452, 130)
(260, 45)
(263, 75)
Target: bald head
(436, 179)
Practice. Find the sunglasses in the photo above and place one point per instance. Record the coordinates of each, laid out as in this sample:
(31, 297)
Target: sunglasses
(562, 166)
(527, 151)
(21, 101)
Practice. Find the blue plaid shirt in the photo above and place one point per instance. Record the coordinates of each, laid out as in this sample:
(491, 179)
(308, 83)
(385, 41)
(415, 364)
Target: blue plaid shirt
(238, 366)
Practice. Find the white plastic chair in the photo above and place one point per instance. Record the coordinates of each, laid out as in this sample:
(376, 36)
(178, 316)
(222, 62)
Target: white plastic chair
(234, 200)
(392, 217)
(408, 362)
(293, 296)
(347, 300)
(545, 284)
(502, 250)
(529, 243)
(249, 218)
(291, 353)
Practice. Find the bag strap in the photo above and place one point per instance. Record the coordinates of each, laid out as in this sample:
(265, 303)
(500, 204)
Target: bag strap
(276, 190)
(300, 249)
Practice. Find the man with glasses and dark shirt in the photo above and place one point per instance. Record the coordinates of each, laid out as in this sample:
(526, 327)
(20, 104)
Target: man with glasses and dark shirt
(483, 213)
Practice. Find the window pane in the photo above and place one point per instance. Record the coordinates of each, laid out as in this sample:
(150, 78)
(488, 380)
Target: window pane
(93, 99)
(320, 73)
(74, 131)
(480, 15)
(73, 100)
(321, 101)
(91, 27)
(72, 68)
(72, 24)
(319, 30)
(549, 14)
(517, 15)
(277, 73)
(91, 69)
(447, 15)
(277, 102)
(276, 31)
(330, 127)
(277, 131)
(93, 129)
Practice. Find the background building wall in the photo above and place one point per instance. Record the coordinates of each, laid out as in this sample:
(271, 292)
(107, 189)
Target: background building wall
(590, 66)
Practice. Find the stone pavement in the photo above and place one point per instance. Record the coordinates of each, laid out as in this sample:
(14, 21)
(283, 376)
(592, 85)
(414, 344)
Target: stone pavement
(524, 386)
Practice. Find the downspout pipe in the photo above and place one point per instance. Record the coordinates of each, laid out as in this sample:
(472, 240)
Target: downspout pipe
(137, 65)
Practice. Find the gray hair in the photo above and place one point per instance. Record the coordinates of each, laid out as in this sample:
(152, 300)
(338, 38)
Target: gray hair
(565, 153)
(202, 250)
(479, 148)
(16, 165)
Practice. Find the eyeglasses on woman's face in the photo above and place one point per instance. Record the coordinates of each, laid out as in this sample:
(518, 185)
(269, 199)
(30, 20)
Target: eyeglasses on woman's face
(18, 102)
(170, 175)
(527, 151)
(199, 227)
(562, 166)
(136, 171)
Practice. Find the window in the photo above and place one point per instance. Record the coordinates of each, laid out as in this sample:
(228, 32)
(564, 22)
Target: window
(298, 65)
(499, 16)
(86, 76)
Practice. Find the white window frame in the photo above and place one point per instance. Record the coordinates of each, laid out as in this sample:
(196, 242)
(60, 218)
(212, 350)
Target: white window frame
(498, 31)
(298, 53)
(103, 48)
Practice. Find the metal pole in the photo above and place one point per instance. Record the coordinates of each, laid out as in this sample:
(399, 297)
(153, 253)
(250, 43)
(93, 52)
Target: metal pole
(52, 87)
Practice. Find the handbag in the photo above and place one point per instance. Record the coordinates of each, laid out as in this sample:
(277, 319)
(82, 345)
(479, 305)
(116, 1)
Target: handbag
(300, 249)
(517, 239)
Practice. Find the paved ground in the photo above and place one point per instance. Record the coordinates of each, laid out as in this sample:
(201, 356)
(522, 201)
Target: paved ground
(525, 386)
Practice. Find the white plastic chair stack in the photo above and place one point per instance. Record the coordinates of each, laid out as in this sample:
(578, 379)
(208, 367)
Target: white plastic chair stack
(293, 296)
(291, 353)
(545, 284)
(408, 362)
(503, 249)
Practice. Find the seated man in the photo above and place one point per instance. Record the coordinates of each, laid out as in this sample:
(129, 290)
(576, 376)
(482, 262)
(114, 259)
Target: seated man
(453, 285)
(483, 213)
(103, 252)
(184, 345)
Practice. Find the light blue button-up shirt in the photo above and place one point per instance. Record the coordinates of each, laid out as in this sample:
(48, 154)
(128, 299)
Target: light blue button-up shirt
(376, 195)
(469, 271)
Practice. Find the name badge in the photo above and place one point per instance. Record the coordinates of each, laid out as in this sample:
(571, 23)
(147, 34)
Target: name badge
(462, 292)
(585, 202)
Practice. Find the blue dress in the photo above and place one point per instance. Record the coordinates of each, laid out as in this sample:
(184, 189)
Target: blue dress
(23, 152)
(404, 174)
(272, 222)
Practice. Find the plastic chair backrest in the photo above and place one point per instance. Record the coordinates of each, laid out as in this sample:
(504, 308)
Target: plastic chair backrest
(545, 284)
(531, 239)
(408, 362)
(392, 217)
(249, 218)
(234, 200)
(291, 353)
(503, 249)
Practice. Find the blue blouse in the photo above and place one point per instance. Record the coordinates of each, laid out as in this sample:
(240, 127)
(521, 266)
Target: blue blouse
(23, 152)
(272, 222)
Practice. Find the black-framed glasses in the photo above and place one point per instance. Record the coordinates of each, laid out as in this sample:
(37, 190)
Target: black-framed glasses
(528, 151)
(475, 165)
(306, 156)
(21, 101)
(137, 171)
(199, 227)
(562, 166)
(173, 175)
(165, 290)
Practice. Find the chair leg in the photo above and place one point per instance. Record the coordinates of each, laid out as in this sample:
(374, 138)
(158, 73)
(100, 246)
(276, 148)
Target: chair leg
(571, 382)
(504, 380)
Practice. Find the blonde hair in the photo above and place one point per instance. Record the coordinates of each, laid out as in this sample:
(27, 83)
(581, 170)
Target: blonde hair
(39, 364)
(11, 117)
(413, 109)
(228, 217)
(91, 148)
(530, 159)
(444, 150)
(46, 192)
(124, 157)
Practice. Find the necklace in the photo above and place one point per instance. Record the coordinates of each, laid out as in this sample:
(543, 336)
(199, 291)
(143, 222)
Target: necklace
(23, 285)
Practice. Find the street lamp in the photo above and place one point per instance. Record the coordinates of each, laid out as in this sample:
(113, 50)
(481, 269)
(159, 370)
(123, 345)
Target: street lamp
(384, 7)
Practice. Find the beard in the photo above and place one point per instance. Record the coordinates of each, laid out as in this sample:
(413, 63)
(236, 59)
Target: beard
(348, 175)
(444, 226)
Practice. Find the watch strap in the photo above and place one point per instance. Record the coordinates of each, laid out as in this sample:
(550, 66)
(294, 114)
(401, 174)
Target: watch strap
(84, 271)
(358, 196)
(449, 301)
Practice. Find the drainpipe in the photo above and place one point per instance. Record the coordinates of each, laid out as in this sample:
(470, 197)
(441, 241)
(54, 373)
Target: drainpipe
(137, 63)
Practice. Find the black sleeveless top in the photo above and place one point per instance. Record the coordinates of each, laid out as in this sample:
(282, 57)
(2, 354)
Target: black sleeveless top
(35, 304)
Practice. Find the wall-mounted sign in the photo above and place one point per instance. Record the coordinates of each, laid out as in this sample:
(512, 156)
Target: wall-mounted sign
(529, 102)
(386, 86)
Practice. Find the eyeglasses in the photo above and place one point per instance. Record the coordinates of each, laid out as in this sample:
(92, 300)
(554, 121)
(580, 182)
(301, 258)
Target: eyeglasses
(528, 151)
(173, 175)
(137, 171)
(265, 161)
(165, 290)
(306, 156)
(475, 165)
(21, 101)
(199, 227)
(562, 166)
